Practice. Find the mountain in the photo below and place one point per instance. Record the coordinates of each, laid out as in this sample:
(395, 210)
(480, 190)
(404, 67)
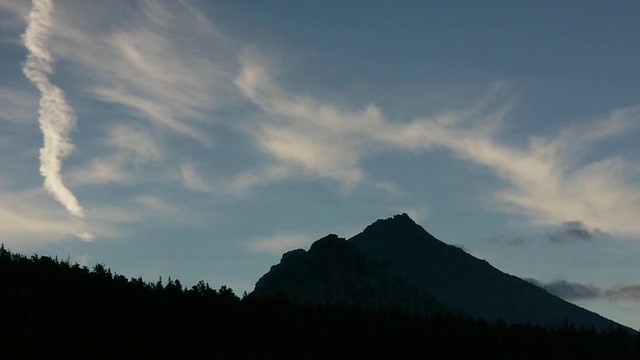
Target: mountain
(464, 283)
(334, 272)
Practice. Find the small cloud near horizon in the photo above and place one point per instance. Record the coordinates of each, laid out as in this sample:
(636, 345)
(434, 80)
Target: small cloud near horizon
(573, 231)
(568, 290)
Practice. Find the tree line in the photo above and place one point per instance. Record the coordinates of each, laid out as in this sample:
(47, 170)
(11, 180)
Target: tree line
(53, 308)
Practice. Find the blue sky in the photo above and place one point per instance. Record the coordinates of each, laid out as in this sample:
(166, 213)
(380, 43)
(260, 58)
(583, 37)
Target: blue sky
(201, 139)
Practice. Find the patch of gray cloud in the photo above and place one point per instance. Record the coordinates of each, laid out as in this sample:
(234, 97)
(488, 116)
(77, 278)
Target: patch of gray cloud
(572, 231)
(625, 293)
(584, 291)
(572, 290)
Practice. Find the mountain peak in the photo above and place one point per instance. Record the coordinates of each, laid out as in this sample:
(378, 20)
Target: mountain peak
(399, 229)
(398, 219)
(462, 282)
(329, 241)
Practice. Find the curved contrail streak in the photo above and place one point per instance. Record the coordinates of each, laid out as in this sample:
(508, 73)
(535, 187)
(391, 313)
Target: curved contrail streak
(56, 117)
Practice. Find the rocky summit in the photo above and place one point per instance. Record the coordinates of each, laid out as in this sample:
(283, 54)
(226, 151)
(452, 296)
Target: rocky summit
(334, 272)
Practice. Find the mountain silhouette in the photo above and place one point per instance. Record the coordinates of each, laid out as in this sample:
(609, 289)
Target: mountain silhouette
(396, 264)
(464, 283)
(334, 272)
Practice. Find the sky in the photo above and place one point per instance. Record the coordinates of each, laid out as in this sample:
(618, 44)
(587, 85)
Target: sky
(199, 140)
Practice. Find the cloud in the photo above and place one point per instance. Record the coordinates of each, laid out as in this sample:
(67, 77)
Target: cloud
(279, 243)
(573, 291)
(168, 64)
(624, 293)
(131, 147)
(29, 218)
(155, 204)
(316, 139)
(135, 140)
(580, 291)
(572, 231)
(57, 119)
(192, 179)
(86, 236)
(102, 170)
(548, 180)
(249, 179)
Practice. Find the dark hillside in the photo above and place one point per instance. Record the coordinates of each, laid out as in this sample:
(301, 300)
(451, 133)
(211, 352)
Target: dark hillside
(464, 283)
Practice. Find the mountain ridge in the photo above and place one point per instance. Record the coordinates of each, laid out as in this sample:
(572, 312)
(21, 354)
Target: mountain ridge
(400, 249)
(463, 282)
(334, 272)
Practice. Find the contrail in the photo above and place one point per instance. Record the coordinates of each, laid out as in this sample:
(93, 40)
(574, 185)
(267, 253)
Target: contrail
(55, 115)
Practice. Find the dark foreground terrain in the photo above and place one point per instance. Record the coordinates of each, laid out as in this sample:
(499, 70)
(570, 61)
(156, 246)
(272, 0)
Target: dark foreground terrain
(54, 309)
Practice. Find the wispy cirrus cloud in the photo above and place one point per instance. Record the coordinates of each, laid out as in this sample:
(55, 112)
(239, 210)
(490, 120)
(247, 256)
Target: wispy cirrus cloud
(111, 169)
(155, 203)
(129, 146)
(548, 180)
(136, 140)
(29, 218)
(169, 64)
(56, 116)
(192, 179)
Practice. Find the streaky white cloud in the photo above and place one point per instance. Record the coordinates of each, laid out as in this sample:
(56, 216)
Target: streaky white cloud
(29, 218)
(192, 180)
(16, 224)
(168, 64)
(130, 146)
(548, 180)
(86, 236)
(110, 169)
(154, 203)
(159, 112)
(56, 117)
(135, 140)
(280, 243)
(249, 179)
